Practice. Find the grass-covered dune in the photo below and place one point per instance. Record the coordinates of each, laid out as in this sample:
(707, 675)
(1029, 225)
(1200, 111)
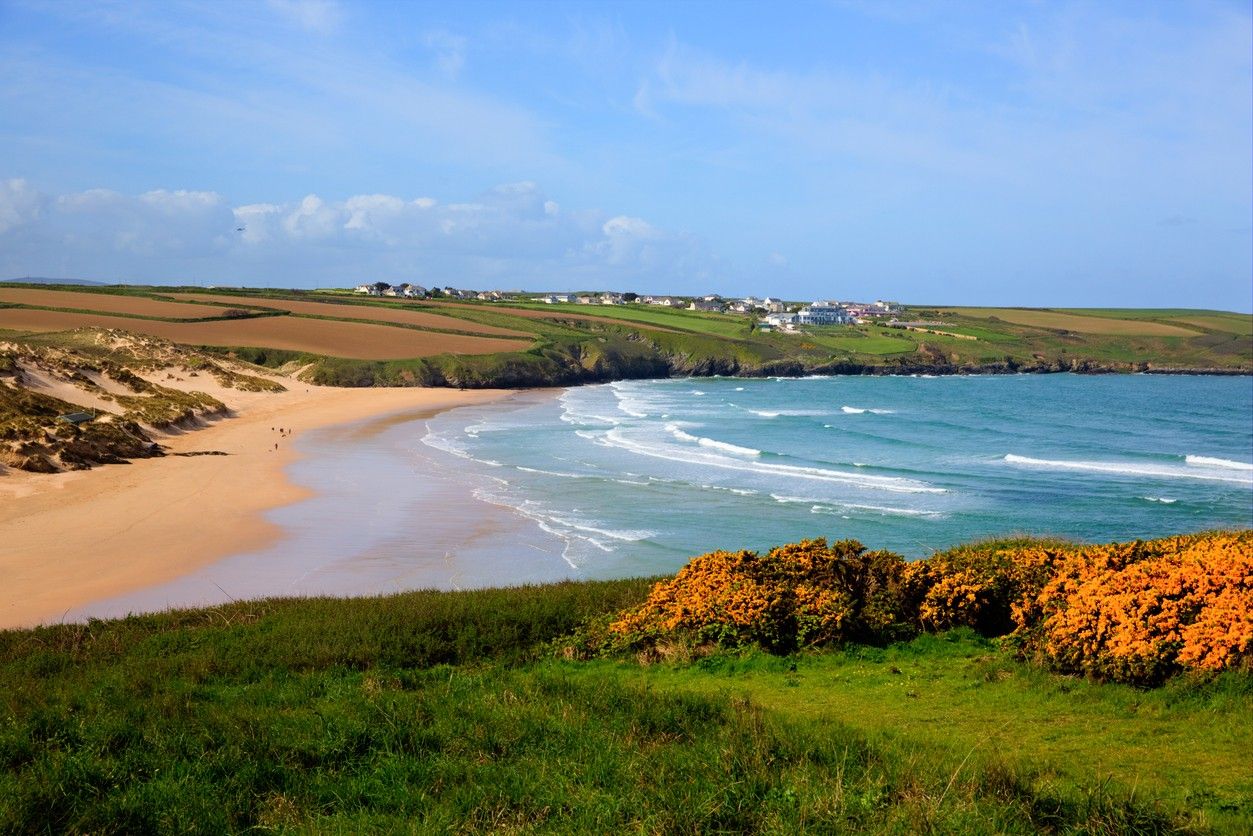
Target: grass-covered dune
(475, 711)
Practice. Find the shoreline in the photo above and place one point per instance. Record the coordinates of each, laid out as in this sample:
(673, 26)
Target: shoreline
(384, 513)
(85, 536)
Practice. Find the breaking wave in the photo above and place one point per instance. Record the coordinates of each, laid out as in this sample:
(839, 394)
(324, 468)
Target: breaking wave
(1153, 471)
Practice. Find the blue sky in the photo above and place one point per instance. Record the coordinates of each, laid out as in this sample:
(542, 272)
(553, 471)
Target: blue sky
(1039, 153)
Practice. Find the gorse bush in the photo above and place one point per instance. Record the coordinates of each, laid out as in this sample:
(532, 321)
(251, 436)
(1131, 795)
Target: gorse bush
(1130, 612)
(1140, 612)
(794, 596)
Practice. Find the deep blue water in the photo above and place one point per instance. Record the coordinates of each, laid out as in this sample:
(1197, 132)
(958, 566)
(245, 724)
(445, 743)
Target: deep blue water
(636, 477)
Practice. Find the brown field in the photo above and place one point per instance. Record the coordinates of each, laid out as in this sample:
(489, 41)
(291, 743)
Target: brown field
(397, 314)
(360, 341)
(109, 302)
(1078, 324)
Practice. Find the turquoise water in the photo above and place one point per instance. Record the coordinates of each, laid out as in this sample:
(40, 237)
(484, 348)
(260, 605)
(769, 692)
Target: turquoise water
(636, 477)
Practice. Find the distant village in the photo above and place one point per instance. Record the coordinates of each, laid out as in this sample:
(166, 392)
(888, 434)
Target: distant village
(775, 314)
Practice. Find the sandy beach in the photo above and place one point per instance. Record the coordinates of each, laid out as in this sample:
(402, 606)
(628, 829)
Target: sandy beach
(72, 538)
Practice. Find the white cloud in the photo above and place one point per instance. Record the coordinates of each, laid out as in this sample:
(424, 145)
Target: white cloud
(511, 235)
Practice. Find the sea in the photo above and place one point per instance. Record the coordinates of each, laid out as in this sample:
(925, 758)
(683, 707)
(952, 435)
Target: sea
(634, 478)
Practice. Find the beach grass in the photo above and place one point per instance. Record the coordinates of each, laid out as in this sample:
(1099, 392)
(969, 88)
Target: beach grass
(457, 712)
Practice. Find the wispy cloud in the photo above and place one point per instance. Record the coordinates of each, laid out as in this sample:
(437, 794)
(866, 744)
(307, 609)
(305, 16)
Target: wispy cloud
(511, 235)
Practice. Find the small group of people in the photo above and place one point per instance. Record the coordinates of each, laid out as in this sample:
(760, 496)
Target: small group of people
(282, 431)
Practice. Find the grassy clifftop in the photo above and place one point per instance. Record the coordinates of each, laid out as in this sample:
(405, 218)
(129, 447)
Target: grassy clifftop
(465, 712)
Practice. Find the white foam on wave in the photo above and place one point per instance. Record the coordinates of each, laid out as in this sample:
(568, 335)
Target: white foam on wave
(1161, 499)
(678, 433)
(697, 392)
(739, 388)
(736, 491)
(1213, 461)
(557, 473)
(1153, 471)
(857, 410)
(447, 445)
(615, 438)
(626, 535)
(823, 506)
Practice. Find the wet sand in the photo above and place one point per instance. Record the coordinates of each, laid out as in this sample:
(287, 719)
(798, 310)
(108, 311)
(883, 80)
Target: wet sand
(68, 540)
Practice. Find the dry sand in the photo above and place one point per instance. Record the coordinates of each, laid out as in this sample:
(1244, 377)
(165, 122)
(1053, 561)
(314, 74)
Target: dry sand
(72, 538)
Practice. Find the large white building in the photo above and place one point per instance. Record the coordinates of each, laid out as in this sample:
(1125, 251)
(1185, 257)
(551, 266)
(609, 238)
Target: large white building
(823, 313)
(819, 313)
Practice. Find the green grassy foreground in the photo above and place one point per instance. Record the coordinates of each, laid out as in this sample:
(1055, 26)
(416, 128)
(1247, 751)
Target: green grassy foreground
(442, 712)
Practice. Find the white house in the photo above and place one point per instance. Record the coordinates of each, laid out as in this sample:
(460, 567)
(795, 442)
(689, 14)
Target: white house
(704, 305)
(772, 305)
(612, 299)
(823, 313)
(414, 291)
(781, 321)
(556, 298)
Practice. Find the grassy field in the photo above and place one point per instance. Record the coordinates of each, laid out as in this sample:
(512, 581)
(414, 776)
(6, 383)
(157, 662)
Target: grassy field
(1078, 323)
(455, 712)
(697, 322)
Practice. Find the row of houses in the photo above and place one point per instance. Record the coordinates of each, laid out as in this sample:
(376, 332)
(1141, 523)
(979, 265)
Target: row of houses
(417, 291)
(828, 313)
(778, 316)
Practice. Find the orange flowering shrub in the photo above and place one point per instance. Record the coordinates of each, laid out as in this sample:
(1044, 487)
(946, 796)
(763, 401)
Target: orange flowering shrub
(1132, 612)
(1139, 612)
(797, 595)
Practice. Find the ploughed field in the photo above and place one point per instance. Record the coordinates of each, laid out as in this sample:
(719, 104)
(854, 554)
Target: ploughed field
(142, 306)
(393, 313)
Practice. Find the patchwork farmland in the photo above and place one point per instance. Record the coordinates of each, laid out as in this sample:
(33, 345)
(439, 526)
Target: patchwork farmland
(399, 313)
(340, 338)
(268, 324)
